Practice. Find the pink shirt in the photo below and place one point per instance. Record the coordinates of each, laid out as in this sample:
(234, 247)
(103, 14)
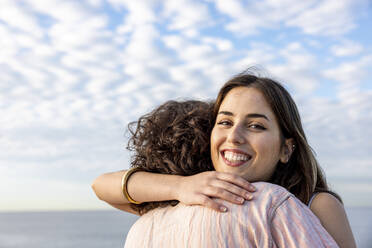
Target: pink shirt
(275, 218)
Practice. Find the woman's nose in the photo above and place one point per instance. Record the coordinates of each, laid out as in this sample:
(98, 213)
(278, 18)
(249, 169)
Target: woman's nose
(236, 135)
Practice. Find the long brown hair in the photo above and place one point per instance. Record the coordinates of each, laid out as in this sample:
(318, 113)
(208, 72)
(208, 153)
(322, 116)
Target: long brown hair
(172, 139)
(302, 175)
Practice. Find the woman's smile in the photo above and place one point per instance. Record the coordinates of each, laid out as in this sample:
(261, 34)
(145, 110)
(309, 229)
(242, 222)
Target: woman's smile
(234, 157)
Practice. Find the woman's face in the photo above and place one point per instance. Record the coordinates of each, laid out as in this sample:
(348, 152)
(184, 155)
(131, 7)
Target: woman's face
(245, 139)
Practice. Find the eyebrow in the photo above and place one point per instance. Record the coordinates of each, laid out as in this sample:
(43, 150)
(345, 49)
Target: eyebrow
(252, 115)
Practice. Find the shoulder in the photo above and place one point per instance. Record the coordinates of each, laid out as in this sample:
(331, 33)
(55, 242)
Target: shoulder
(327, 208)
(333, 218)
(324, 202)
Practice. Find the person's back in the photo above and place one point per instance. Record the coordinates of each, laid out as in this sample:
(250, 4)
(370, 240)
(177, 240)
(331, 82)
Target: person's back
(275, 219)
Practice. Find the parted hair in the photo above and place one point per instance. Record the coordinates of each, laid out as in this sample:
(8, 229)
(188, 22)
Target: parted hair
(172, 139)
(302, 175)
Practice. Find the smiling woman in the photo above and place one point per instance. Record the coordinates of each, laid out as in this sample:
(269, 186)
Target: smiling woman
(246, 139)
(267, 119)
(257, 136)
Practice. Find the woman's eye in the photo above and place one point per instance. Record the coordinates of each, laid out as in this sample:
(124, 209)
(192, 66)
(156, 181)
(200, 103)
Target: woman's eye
(224, 123)
(257, 126)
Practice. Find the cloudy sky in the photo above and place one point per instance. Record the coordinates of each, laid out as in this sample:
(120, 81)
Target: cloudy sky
(74, 73)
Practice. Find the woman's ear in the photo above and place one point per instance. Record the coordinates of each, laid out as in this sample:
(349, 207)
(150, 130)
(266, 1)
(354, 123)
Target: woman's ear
(287, 150)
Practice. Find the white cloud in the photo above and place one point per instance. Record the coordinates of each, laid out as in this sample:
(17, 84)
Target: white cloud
(346, 48)
(328, 17)
(257, 54)
(298, 69)
(139, 13)
(337, 129)
(350, 73)
(66, 36)
(141, 44)
(200, 64)
(331, 17)
(244, 21)
(359, 168)
(19, 19)
(59, 11)
(293, 65)
(186, 14)
(221, 44)
(94, 3)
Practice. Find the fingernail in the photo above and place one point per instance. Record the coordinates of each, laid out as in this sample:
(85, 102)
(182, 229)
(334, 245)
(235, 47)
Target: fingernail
(223, 209)
(239, 199)
(248, 196)
(253, 188)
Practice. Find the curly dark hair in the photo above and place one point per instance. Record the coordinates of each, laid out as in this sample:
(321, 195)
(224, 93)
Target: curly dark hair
(172, 139)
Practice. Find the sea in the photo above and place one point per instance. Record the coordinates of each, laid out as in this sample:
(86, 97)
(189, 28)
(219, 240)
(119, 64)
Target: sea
(101, 229)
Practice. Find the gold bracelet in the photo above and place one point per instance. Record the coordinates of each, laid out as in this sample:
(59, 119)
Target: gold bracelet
(124, 184)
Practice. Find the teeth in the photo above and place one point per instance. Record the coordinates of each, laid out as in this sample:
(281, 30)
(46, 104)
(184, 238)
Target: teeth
(231, 156)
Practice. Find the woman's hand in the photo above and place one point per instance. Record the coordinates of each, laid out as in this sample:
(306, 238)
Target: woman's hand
(200, 188)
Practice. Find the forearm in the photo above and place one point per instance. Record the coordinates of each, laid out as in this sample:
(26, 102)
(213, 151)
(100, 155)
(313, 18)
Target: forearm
(149, 187)
(142, 187)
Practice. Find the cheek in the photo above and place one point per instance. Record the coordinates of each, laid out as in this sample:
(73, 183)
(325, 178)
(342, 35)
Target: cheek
(215, 136)
(268, 156)
(213, 142)
(269, 147)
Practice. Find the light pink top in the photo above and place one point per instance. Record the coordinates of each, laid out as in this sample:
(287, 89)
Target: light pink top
(275, 218)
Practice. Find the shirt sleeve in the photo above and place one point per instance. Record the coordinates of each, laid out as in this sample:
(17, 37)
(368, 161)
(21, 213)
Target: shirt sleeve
(294, 225)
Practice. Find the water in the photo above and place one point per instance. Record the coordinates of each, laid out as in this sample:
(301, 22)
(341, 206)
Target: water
(102, 229)
(361, 224)
(91, 229)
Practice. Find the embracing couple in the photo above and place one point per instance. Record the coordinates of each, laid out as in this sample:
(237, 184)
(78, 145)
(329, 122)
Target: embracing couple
(236, 172)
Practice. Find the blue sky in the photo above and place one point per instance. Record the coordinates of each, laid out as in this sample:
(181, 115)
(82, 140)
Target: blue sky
(74, 73)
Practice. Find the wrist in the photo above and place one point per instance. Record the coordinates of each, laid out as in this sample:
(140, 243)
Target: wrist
(125, 180)
(176, 188)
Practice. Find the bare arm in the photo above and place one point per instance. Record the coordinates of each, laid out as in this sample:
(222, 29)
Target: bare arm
(107, 187)
(332, 215)
(142, 186)
(198, 189)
